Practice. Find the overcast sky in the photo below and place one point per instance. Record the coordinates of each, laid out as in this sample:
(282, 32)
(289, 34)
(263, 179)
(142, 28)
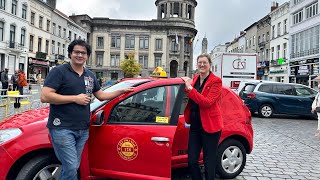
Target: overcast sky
(220, 20)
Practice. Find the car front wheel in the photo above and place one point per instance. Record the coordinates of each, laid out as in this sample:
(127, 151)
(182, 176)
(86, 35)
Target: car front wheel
(41, 167)
(266, 111)
(231, 159)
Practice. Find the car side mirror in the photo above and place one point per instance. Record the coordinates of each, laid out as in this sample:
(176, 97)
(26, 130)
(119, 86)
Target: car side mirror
(99, 118)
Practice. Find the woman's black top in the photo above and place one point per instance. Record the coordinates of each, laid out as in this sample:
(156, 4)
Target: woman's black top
(195, 119)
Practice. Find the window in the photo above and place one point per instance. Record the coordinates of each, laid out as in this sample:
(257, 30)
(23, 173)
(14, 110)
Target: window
(298, 17)
(303, 91)
(284, 50)
(174, 45)
(70, 33)
(158, 45)
(273, 32)
(54, 28)
(144, 42)
(266, 88)
(64, 32)
(75, 36)
(23, 37)
(63, 49)
(48, 25)
(99, 61)
(47, 46)
(3, 4)
(254, 41)
(1, 30)
(278, 52)
(144, 106)
(14, 7)
(12, 34)
(272, 53)
(143, 60)
(115, 41)
(59, 48)
(100, 42)
(129, 42)
(59, 31)
(39, 44)
(285, 31)
(187, 47)
(24, 11)
(31, 43)
(53, 51)
(115, 60)
(263, 38)
(247, 44)
(157, 61)
(268, 36)
(312, 10)
(284, 89)
(32, 18)
(296, 1)
(40, 22)
(259, 39)
(279, 29)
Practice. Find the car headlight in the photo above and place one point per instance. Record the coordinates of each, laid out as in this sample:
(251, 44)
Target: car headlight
(8, 134)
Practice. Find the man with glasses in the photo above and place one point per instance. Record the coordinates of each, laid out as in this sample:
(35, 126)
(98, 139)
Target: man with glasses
(68, 89)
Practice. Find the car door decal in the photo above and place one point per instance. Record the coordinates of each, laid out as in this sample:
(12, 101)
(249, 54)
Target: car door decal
(128, 149)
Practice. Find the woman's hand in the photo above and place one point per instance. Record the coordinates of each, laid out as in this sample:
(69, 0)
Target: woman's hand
(187, 81)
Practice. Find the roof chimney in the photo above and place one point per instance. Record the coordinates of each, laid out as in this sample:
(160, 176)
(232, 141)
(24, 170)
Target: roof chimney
(274, 5)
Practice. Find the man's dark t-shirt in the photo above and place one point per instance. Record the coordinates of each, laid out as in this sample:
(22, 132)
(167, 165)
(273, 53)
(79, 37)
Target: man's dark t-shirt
(67, 82)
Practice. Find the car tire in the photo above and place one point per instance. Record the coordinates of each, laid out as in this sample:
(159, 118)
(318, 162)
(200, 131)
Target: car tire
(45, 166)
(266, 111)
(230, 166)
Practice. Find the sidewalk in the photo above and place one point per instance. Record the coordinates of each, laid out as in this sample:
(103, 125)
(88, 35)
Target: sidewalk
(35, 102)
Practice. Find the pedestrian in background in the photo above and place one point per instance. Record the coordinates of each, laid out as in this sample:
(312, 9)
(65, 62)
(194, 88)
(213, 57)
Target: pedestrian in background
(22, 81)
(14, 80)
(204, 116)
(5, 81)
(68, 89)
(315, 104)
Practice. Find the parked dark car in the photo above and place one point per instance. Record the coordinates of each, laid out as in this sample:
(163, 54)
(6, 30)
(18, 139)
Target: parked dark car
(269, 98)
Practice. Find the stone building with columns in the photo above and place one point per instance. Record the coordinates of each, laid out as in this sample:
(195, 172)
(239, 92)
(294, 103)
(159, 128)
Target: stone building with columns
(165, 41)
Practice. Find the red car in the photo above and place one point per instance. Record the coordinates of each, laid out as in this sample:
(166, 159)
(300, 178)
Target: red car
(139, 135)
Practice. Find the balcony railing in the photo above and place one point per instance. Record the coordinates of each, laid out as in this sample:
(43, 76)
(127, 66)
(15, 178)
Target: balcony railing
(14, 45)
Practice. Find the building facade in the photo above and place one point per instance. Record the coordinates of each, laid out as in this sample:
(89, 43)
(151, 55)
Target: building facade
(263, 47)
(250, 38)
(13, 35)
(165, 41)
(39, 38)
(304, 41)
(64, 30)
(238, 44)
(218, 50)
(279, 44)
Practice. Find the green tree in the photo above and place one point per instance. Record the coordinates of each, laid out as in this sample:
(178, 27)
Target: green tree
(130, 66)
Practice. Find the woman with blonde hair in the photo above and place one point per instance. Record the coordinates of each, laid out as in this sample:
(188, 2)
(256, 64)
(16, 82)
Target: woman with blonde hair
(314, 107)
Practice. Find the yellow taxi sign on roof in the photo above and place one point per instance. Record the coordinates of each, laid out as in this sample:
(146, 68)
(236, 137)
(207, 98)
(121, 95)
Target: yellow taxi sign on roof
(159, 72)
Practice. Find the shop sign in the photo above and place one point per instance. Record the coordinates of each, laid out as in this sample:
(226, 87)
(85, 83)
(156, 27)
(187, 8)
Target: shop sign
(303, 70)
(35, 61)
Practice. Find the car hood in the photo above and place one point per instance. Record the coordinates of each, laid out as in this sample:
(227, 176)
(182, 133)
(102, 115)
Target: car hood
(25, 118)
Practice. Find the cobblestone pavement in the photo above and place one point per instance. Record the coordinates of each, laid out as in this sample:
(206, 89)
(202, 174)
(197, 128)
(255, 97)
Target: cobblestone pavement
(283, 149)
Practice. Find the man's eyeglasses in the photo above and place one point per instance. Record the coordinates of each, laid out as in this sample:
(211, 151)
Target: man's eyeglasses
(80, 52)
(203, 63)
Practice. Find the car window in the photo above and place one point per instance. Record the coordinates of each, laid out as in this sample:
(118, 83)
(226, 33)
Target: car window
(284, 89)
(95, 103)
(303, 91)
(147, 106)
(268, 88)
(248, 88)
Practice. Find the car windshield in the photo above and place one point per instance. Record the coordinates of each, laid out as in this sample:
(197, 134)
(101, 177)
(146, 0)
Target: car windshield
(96, 103)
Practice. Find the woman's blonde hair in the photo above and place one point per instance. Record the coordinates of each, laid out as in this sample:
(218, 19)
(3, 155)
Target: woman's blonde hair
(206, 56)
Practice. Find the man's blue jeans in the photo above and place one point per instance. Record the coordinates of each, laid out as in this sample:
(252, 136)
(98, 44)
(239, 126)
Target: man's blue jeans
(68, 146)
